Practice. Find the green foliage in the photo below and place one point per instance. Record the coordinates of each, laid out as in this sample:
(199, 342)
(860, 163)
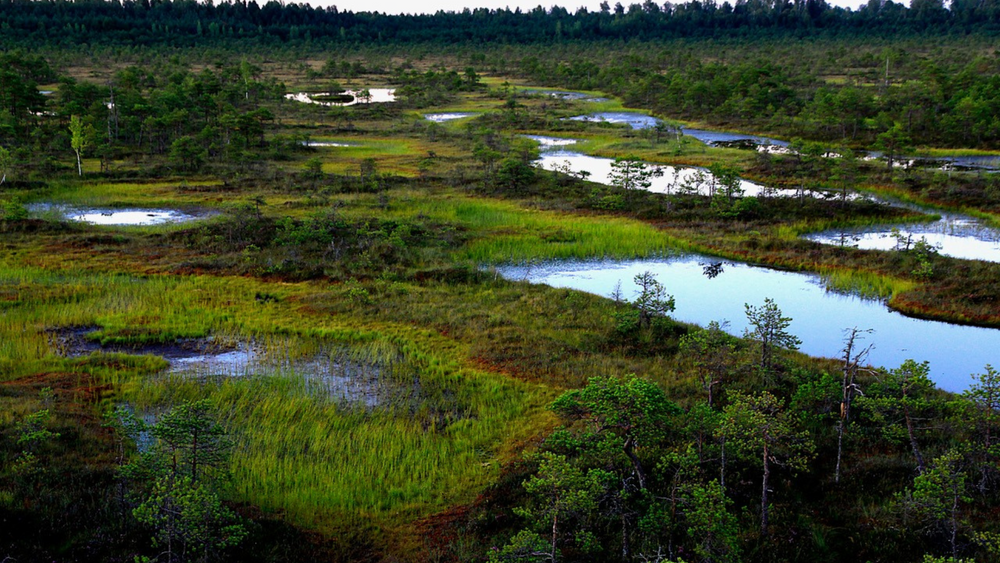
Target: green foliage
(757, 426)
(768, 331)
(566, 497)
(652, 300)
(81, 139)
(188, 519)
(188, 153)
(195, 443)
(892, 141)
(712, 352)
(938, 497)
(643, 321)
(33, 431)
(313, 168)
(619, 415)
(727, 187)
(175, 480)
(932, 559)
(6, 164)
(514, 175)
(898, 403)
(21, 100)
(13, 210)
(526, 546)
(600, 199)
(630, 174)
(33, 435)
(712, 524)
(658, 495)
(983, 396)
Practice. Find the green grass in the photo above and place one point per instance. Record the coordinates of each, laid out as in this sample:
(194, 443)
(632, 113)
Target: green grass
(521, 235)
(320, 461)
(505, 231)
(482, 358)
(930, 151)
(795, 230)
(866, 284)
(300, 454)
(393, 155)
(182, 192)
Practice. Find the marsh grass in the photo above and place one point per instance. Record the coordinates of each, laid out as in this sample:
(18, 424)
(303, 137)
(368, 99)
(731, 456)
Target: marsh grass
(795, 230)
(394, 155)
(508, 232)
(467, 364)
(316, 459)
(866, 284)
(319, 461)
(931, 151)
(128, 194)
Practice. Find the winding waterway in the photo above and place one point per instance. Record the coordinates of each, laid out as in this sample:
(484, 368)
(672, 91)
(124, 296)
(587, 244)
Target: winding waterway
(555, 155)
(954, 234)
(820, 316)
(639, 120)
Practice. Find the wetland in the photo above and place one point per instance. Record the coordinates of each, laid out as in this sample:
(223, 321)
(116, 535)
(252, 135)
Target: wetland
(387, 304)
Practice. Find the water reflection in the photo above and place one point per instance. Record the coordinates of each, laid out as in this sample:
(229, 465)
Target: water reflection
(369, 96)
(324, 369)
(442, 117)
(320, 144)
(712, 270)
(670, 179)
(113, 216)
(819, 316)
(955, 235)
(635, 120)
(716, 137)
(567, 95)
(638, 120)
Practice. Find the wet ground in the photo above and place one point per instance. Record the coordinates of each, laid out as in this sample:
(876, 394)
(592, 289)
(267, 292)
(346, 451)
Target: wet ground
(329, 369)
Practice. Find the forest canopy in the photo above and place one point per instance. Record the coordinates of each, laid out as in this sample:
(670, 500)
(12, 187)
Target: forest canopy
(185, 22)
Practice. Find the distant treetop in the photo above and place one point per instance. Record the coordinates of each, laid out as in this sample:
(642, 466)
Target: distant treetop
(186, 22)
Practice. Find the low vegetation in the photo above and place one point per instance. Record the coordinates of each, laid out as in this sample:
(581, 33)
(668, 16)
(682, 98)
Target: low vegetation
(325, 364)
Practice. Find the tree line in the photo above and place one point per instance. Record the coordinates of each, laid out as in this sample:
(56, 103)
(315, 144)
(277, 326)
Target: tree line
(186, 22)
(190, 117)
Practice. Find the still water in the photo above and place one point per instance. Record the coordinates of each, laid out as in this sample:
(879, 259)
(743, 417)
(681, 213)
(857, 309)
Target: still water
(115, 216)
(671, 179)
(443, 117)
(955, 234)
(375, 96)
(820, 317)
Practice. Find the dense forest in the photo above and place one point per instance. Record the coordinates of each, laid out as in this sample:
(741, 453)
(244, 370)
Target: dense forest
(194, 23)
(731, 67)
(319, 357)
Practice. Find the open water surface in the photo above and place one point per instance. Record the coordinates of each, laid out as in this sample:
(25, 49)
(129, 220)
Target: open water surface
(703, 294)
(116, 216)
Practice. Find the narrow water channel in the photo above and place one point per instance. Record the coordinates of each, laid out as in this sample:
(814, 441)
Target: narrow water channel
(954, 234)
(556, 155)
(821, 316)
